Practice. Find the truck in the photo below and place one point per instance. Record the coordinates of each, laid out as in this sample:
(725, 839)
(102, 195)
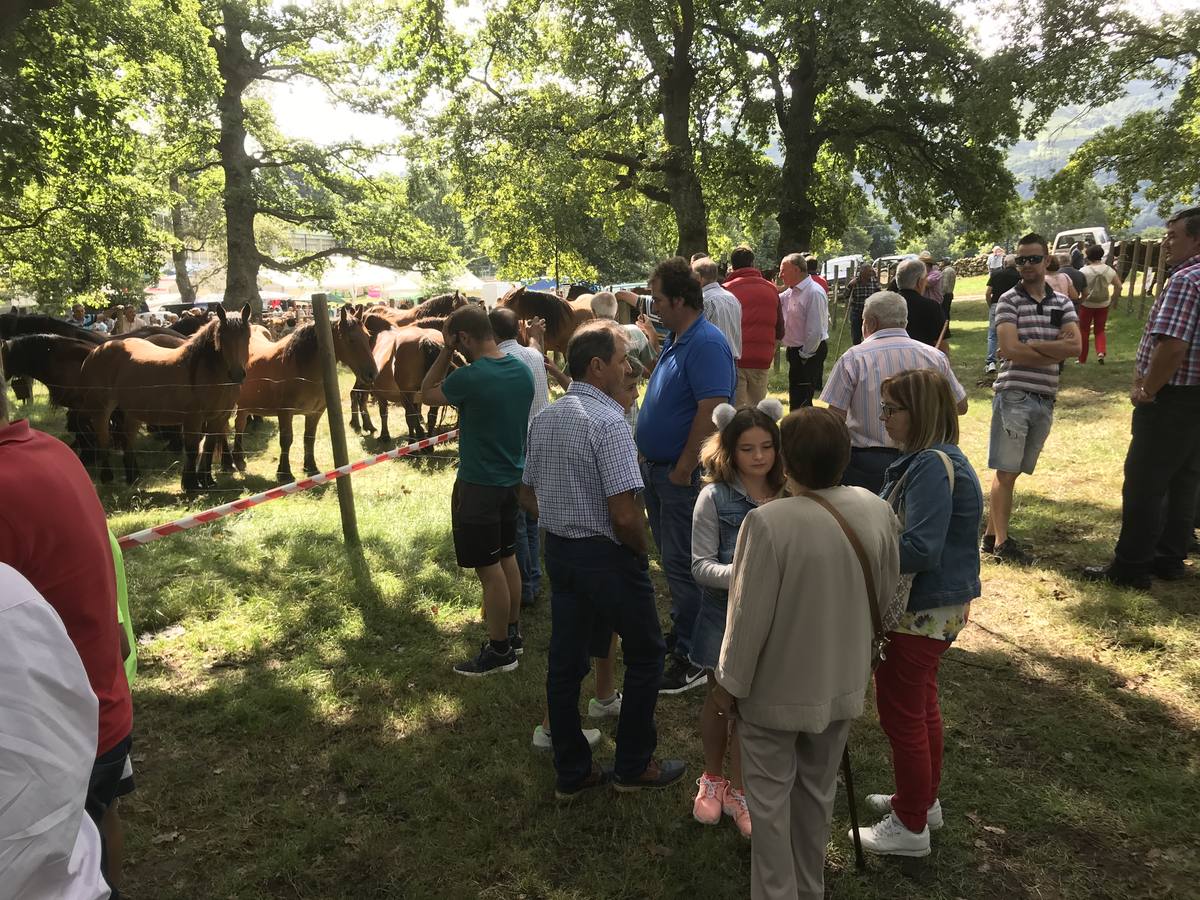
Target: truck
(1090, 234)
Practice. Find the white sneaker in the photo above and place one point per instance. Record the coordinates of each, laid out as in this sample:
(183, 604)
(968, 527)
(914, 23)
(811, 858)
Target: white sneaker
(889, 837)
(881, 805)
(989, 369)
(611, 709)
(541, 738)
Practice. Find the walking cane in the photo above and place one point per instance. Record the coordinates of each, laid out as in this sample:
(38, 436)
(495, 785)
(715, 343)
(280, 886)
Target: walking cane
(859, 861)
(842, 327)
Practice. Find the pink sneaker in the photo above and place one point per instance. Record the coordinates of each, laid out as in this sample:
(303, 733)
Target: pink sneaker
(733, 802)
(707, 808)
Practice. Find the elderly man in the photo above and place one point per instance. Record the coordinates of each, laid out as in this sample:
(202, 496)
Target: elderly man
(995, 259)
(582, 481)
(933, 278)
(694, 375)
(1162, 466)
(720, 307)
(853, 391)
(805, 330)
(1000, 281)
(925, 317)
(762, 325)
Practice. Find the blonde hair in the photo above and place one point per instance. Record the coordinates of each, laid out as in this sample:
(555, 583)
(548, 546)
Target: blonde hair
(929, 401)
(719, 451)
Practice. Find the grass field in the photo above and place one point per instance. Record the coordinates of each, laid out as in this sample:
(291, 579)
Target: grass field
(299, 732)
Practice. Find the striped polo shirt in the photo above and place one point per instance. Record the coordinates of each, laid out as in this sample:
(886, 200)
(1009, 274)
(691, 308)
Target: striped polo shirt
(855, 382)
(1035, 321)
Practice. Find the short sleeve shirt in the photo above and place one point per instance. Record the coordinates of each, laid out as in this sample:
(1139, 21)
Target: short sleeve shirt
(536, 363)
(639, 345)
(493, 397)
(1003, 280)
(1176, 314)
(696, 365)
(1036, 321)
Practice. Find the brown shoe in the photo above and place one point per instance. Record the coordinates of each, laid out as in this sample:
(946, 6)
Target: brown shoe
(658, 774)
(598, 777)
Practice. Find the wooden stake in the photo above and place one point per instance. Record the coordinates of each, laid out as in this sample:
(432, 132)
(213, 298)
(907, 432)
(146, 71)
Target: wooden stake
(1161, 272)
(333, 410)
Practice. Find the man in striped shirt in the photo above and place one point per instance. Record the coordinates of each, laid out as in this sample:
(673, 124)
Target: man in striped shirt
(1037, 329)
(854, 385)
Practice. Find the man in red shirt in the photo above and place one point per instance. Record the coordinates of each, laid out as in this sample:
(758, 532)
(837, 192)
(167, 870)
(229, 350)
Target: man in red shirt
(813, 265)
(762, 325)
(54, 532)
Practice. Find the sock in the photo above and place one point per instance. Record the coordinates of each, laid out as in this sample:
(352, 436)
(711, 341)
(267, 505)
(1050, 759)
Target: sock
(609, 701)
(500, 647)
(514, 628)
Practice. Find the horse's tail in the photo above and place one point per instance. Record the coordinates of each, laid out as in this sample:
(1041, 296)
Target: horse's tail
(430, 350)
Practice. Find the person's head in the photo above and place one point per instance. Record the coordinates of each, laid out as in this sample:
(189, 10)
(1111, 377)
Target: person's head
(128, 313)
(911, 275)
(604, 305)
(1032, 251)
(77, 311)
(1183, 236)
(884, 309)
(473, 329)
(705, 269)
(745, 445)
(505, 325)
(696, 256)
(816, 447)
(812, 265)
(927, 258)
(946, 261)
(793, 269)
(597, 355)
(1010, 260)
(918, 409)
(997, 250)
(1054, 262)
(677, 294)
(742, 257)
(866, 271)
(629, 385)
(1095, 253)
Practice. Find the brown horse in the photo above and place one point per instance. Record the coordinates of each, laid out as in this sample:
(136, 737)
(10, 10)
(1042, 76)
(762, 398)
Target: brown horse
(56, 362)
(434, 307)
(194, 385)
(562, 317)
(12, 325)
(403, 356)
(284, 378)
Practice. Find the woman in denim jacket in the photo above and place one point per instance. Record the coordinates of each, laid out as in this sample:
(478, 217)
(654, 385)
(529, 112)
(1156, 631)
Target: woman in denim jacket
(940, 520)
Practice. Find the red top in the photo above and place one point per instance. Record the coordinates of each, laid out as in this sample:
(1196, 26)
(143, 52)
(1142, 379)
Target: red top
(821, 281)
(760, 314)
(53, 531)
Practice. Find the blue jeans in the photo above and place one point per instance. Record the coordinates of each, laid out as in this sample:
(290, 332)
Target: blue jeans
(669, 508)
(597, 587)
(529, 556)
(993, 341)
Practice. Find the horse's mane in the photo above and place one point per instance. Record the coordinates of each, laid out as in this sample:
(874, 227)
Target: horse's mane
(554, 309)
(11, 325)
(441, 305)
(437, 323)
(203, 344)
(300, 347)
(578, 290)
(188, 325)
(28, 355)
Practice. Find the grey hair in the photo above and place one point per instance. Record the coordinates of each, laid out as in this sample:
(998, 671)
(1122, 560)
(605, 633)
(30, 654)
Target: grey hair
(604, 304)
(1010, 259)
(909, 273)
(705, 269)
(887, 308)
(796, 259)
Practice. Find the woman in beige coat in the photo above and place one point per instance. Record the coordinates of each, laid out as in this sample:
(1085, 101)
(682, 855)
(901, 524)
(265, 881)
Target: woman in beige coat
(796, 659)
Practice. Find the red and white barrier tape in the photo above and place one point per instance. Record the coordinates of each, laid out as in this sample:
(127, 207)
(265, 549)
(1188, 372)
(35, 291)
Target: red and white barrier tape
(138, 538)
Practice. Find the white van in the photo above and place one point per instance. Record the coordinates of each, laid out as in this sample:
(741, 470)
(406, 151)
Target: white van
(1092, 234)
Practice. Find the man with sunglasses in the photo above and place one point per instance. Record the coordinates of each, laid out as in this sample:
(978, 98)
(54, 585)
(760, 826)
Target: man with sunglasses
(1037, 329)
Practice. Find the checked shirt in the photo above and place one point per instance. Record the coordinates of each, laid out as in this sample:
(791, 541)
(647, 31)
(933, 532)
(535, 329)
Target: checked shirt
(1176, 314)
(580, 453)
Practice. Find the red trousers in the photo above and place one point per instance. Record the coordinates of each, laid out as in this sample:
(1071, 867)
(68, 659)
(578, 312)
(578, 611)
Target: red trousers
(1086, 318)
(906, 695)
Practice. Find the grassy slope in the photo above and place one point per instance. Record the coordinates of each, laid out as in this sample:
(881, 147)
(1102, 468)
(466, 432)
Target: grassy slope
(304, 737)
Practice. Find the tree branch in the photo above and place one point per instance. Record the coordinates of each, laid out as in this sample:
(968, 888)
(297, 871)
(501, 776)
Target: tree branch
(288, 265)
(293, 217)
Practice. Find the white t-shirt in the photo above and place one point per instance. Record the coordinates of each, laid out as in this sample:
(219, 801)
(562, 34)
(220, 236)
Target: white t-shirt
(1096, 275)
(49, 847)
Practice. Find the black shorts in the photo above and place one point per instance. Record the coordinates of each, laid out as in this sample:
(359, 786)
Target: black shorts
(110, 779)
(484, 520)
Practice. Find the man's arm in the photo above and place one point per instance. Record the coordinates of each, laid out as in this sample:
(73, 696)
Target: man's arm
(535, 329)
(1037, 353)
(838, 411)
(987, 295)
(431, 384)
(702, 427)
(528, 500)
(1165, 359)
(628, 521)
(563, 379)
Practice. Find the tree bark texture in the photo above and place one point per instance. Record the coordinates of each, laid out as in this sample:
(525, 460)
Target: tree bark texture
(801, 144)
(183, 280)
(676, 82)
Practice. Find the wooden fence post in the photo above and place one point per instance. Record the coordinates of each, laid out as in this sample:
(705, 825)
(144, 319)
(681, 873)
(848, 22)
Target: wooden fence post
(1147, 263)
(1160, 273)
(333, 410)
(1133, 272)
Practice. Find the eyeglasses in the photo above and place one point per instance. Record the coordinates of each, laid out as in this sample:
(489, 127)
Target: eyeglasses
(887, 410)
(1034, 260)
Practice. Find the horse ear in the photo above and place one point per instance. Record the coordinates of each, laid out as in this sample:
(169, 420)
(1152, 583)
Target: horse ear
(220, 311)
(245, 312)
(342, 314)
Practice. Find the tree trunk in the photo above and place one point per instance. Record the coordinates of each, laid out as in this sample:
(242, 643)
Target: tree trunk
(237, 69)
(187, 292)
(800, 146)
(679, 171)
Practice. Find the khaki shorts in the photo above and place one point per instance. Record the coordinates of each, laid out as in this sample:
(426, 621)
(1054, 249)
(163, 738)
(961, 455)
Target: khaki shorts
(751, 386)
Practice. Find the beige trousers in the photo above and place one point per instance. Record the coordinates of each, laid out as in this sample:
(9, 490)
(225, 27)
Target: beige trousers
(791, 779)
(751, 386)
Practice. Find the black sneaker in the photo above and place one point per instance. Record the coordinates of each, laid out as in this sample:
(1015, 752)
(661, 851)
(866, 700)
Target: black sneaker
(488, 662)
(988, 544)
(679, 676)
(1120, 579)
(658, 774)
(1011, 551)
(598, 777)
(515, 640)
(1172, 570)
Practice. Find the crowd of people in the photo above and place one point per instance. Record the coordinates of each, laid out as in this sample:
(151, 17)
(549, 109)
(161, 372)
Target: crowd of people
(805, 556)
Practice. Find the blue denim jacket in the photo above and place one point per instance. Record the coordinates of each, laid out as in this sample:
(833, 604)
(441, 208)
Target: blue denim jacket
(732, 506)
(940, 531)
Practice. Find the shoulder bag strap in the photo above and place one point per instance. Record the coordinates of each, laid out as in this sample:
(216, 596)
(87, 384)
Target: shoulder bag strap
(861, 553)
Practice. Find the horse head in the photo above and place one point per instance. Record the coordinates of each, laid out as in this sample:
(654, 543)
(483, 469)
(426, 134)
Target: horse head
(231, 339)
(352, 344)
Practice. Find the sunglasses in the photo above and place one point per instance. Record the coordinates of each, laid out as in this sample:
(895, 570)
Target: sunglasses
(1034, 260)
(887, 410)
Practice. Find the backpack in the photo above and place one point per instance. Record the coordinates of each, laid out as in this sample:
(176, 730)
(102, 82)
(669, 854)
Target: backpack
(1097, 286)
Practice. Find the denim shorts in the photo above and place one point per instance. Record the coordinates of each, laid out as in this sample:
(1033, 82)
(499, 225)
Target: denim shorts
(1020, 425)
(709, 633)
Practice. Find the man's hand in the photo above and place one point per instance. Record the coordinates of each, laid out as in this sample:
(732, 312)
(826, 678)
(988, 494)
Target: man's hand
(724, 702)
(1139, 397)
(450, 338)
(536, 327)
(679, 477)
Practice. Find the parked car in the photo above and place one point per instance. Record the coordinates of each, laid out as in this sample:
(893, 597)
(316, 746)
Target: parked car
(839, 268)
(1092, 234)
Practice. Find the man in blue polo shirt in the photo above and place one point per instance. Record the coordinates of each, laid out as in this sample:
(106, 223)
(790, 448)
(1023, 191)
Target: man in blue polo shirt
(693, 376)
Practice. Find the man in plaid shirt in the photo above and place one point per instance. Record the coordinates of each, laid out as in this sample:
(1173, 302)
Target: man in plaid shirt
(1162, 466)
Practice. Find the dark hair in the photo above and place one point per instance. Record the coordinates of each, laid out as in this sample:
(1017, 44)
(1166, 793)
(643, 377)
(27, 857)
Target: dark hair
(696, 256)
(504, 324)
(592, 339)
(812, 264)
(816, 447)
(676, 280)
(473, 321)
(1190, 219)
(1053, 262)
(1095, 252)
(742, 257)
(720, 449)
(1034, 238)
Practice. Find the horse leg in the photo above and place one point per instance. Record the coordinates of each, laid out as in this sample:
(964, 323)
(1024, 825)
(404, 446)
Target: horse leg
(356, 400)
(310, 442)
(191, 452)
(239, 429)
(204, 476)
(383, 421)
(364, 404)
(128, 432)
(283, 471)
(412, 415)
(226, 452)
(103, 436)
